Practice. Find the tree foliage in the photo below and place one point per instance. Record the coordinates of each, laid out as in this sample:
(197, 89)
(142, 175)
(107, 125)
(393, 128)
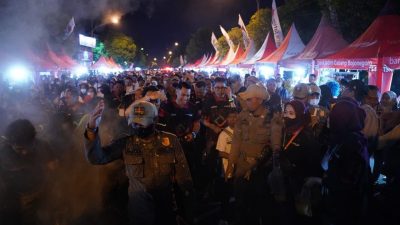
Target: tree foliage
(354, 16)
(236, 36)
(199, 44)
(259, 26)
(99, 51)
(121, 47)
(140, 59)
(305, 14)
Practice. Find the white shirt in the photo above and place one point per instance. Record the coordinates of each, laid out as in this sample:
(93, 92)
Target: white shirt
(224, 144)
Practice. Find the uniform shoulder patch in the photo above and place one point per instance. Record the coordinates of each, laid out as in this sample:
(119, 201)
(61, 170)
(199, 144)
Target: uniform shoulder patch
(167, 138)
(165, 141)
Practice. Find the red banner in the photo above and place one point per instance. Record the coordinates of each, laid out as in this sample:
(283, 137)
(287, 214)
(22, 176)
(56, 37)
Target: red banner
(392, 62)
(352, 64)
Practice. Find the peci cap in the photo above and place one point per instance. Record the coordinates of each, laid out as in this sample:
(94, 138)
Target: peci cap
(142, 113)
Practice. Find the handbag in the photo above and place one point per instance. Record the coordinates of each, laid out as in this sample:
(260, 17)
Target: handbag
(276, 180)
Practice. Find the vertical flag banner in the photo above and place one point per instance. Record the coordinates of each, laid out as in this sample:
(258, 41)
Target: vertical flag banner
(181, 61)
(69, 29)
(246, 37)
(214, 41)
(228, 39)
(276, 25)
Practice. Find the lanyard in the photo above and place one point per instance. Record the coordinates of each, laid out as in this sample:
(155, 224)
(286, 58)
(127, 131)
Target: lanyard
(295, 134)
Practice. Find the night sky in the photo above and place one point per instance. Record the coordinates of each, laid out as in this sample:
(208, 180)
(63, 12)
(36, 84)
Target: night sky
(176, 20)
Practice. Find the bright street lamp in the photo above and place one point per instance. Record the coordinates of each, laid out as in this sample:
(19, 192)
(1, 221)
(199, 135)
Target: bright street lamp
(170, 53)
(176, 43)
(164, 57)
(155, 59)
(115, 19)
(142, 49)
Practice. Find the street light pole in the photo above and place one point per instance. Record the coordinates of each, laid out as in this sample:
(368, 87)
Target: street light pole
(94, 28)
(258, 5)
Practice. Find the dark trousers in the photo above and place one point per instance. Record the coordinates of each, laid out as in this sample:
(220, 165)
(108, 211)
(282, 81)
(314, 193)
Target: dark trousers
(151, 208)
(253, 200)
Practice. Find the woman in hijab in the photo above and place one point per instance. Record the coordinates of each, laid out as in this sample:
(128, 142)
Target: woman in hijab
(299, 161)
(388, 102)
(346, 165)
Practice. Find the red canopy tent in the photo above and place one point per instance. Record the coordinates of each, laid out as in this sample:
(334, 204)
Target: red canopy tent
(113, 63)
(266, 49)
(239, 56)
(41, 63)
(376, 50)
(68, 59)
(291, 46)
(58, 60)
(101, 63)
(326, 41)
(228, 57)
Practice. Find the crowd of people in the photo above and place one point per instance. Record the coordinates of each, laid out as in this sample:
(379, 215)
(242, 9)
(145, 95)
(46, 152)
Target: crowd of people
(192, 148)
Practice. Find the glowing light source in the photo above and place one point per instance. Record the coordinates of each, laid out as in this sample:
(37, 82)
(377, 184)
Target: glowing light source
(104, 70)
(176, 44)
(170, 53)
(80, 70)
(18, 74)
(300, 71)
(115, 19)
(138, 68)
(155, 59)
(266, 70)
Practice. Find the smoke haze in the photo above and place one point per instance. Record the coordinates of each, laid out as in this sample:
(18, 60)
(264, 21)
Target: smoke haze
(24, 22)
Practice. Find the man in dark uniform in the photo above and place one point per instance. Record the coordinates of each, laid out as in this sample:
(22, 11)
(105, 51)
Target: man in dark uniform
(216, 109)
(153, 160)
(181, 118)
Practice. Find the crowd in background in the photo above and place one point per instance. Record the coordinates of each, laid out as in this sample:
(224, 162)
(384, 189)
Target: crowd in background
(336, 161)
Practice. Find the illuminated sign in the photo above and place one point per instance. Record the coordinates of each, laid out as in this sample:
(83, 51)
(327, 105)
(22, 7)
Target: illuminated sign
(87, 41)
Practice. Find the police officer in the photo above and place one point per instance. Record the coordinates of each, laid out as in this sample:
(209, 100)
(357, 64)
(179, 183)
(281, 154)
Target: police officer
(257, 133)
(301, 92)
(153, 160)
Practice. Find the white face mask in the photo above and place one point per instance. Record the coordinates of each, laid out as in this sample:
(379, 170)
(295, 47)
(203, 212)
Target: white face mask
(83, 91)
(314, 102)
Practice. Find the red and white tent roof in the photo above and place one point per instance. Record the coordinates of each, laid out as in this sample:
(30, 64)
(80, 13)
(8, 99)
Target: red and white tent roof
(291, 46)
(266, 49)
